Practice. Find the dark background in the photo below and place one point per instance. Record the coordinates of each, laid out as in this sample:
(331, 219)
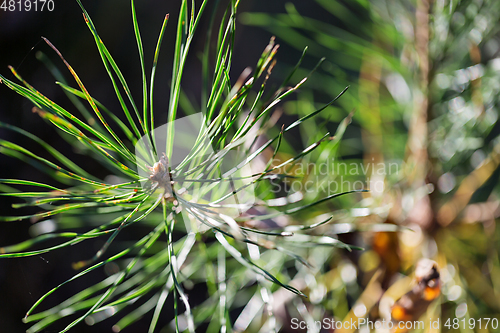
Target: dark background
(24, 280)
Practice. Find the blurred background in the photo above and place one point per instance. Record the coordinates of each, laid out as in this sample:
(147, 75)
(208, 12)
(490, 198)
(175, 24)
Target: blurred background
(424, 81)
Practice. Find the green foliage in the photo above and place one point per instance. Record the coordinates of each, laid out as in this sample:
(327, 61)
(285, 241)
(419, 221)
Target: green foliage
(179, 249)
